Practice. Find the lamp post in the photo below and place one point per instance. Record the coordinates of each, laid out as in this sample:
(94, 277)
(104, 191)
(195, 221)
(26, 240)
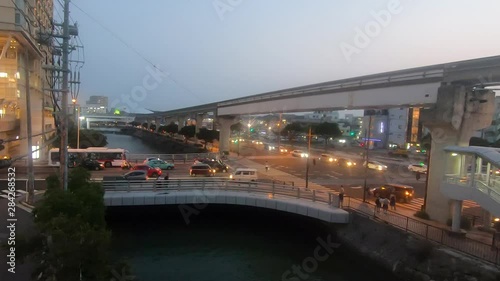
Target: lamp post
(78, 130)
(367, 145)
(307, 158)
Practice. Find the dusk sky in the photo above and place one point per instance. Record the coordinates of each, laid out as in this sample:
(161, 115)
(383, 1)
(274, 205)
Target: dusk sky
(224, 49)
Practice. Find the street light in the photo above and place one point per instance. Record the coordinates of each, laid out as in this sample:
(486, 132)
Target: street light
(78, 130)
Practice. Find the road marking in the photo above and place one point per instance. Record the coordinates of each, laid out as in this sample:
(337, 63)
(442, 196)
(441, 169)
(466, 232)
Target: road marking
(328, 175)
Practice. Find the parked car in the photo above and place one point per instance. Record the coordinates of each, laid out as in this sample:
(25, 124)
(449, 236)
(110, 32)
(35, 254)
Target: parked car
(201, 169)
(375, 165)
(163, 165)
(218, 165)
(403, 193)
(344, 162)
(152, 172)
(418, 168)
(299, 153)
(92, 164)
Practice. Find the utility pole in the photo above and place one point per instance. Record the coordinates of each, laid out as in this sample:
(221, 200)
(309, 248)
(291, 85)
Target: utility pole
(367, 146)
(424, 206)
(64, 107)
(31, 176)
(279, 135)
(308, 154)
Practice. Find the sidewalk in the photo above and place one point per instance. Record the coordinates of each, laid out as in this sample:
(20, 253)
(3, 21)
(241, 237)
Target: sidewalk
(393, 217)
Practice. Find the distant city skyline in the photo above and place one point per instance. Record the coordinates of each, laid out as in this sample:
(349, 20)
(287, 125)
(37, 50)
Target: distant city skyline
(176, 54)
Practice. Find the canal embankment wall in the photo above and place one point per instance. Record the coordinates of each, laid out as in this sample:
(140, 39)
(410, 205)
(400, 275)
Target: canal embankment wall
(409, 257)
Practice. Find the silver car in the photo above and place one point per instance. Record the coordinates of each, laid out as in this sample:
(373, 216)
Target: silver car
(136, 175)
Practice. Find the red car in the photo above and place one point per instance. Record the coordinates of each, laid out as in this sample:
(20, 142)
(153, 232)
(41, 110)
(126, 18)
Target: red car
(152, 172)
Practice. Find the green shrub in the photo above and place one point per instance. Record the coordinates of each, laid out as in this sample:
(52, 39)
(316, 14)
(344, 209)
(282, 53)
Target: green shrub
(465, 223)
(422, 215)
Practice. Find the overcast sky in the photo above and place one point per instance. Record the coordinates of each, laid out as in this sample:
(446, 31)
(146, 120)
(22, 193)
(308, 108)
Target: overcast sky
(210, 51)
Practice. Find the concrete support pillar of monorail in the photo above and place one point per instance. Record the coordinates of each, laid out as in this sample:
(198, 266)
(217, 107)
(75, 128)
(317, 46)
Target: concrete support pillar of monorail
(199, 122)
(457, 114)
(457, 214)
(224, 123)
(88, 123)
(157, 124)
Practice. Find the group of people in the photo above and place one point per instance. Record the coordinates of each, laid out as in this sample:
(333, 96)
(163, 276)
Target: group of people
(384, 203)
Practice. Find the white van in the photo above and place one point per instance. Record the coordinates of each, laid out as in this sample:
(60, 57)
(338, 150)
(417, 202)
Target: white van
(244, 174)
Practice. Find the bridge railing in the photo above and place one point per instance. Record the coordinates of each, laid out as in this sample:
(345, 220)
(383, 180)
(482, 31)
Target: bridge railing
(271, 188)
(184, 158)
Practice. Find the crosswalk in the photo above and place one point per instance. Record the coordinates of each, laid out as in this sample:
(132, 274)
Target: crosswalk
(417, 203)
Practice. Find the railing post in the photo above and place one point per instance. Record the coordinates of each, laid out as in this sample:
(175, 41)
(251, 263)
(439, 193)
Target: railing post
(128, 186)
(293, 183)
(273, 189)
(154, 185)
(203, 184)
(314, 195)
(298, 192)
(329, 198)
(426, 232)
(407, 220)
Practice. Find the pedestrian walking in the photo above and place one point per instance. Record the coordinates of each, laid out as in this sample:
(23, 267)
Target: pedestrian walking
(417, 176)
(341, 198)
(378, 204)
(385, 205)
(267, 167)
(393, 202)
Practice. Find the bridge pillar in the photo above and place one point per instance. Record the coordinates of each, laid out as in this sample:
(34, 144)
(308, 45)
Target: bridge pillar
(225, 123)
(457, 114)
(88, 123)
(157, 124)
(199, 122)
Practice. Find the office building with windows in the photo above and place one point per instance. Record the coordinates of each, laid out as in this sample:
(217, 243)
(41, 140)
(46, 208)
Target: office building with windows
(23, 53)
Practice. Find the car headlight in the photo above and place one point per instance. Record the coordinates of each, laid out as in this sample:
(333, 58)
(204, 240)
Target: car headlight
(230, 176)
(380, 168)
(331, 159)
(407, 193)
(349, 163)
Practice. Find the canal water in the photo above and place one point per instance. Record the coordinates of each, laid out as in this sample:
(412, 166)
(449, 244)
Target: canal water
(133, 144)
(227, 243)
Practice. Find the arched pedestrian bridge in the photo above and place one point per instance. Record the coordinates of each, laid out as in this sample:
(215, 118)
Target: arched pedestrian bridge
(472, 173)
(316, 204)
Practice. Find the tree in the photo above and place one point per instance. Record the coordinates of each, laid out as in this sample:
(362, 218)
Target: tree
(188, 131)
(237, 127)
(292, 130)
(88, 138)
(475, 141)
(172, 128)
(327, 130)
(425, 142)
(72, 238)
(207, 135)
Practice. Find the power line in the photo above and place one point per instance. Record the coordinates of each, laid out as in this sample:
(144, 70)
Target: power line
(169, 75)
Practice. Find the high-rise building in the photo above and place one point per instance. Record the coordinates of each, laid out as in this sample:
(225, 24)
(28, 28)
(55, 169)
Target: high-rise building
(23, 50)
(96, 104)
